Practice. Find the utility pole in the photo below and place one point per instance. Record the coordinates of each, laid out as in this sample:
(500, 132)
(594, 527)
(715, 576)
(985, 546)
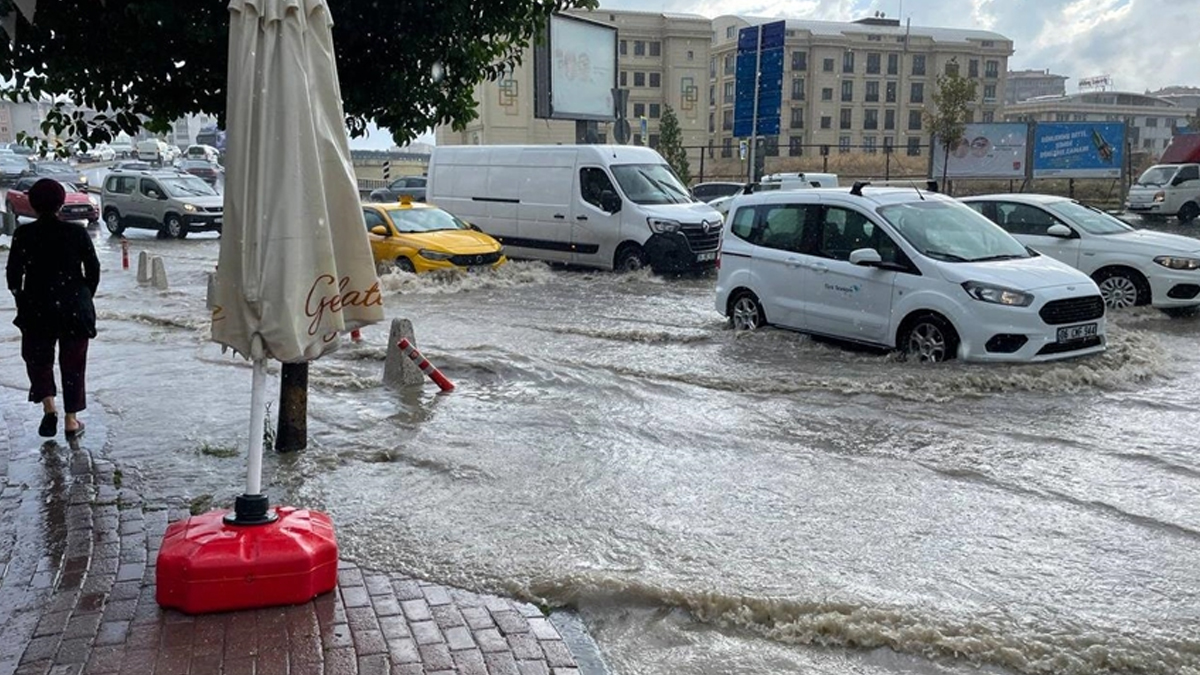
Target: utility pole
(751, 167)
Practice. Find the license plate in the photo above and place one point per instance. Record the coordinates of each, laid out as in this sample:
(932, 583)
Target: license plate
(1072, 333)
(701, 257)
(478, 268)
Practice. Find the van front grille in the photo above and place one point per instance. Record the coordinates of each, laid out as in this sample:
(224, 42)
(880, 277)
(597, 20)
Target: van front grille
(701, 238)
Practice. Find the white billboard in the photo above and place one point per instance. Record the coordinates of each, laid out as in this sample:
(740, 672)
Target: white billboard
(582, 68)
(987, 151)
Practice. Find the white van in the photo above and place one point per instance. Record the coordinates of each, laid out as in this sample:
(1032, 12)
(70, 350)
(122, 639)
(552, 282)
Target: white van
(1167, 190)
(151, 151)
(607, 206)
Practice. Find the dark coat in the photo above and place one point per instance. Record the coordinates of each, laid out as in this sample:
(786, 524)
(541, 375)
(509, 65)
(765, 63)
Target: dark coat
(53, 272)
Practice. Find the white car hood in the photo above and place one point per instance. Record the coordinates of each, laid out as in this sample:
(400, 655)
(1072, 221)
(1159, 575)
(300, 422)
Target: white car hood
(1024, 274)
(693, 212)
(1153, 243)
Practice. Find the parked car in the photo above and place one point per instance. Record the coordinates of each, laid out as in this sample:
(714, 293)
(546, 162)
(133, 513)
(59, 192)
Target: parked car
(78, 205)
(60, 171)
(201, 151)
(417, 238)
(12, 167)
(123, 146)
(173, 202)
(901, 269)
(1131, 267)
(412, 187)
(101, 152)
(706, 192)
(20, 149)
(201, 168)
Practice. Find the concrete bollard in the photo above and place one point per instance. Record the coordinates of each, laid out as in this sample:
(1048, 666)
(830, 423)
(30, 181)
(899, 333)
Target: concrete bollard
(399, 371)
(158, 276)
(210, 297)
(143, 276)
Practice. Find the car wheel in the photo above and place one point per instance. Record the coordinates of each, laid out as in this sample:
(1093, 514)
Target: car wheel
(929, 339)
(405, 265)
(629, 258)
(112, 221)
(174, 227)
(1121, 288)
(746, 312)
(1188, 212)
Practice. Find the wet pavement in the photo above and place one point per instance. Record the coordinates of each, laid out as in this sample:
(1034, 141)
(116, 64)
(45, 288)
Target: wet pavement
(78, 545)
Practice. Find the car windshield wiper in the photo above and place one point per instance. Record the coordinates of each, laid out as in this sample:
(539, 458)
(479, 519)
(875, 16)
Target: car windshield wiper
(669, 192)
(1002, 256)
(945, 256)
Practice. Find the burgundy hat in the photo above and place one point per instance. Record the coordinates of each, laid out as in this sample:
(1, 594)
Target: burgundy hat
(47, 196)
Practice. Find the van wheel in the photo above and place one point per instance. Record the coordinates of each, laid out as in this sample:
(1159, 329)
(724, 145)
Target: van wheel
(746, 312)
(629, 258)
(1188, 212)
(174, 227)
(112, 221)
(928, 338)
(1121, 288)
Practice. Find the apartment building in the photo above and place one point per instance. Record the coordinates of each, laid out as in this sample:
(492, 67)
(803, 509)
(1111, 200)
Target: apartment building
(1027, 84)
(1150, 120)
(860, 85)
(662, 60)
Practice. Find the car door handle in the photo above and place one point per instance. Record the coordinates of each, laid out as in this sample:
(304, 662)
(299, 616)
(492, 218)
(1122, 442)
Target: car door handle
(820, 267)
(559, 216)
(580, 217)
(795, 262)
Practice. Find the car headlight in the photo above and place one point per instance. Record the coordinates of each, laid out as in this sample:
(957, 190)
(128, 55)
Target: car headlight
(1177, 263)
(997, 294)
(1160, 196)
(434, 255)
(189, 207)
(663, 225)
(83, 179)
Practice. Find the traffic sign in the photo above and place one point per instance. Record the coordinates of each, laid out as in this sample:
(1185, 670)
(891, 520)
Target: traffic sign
(758, 82)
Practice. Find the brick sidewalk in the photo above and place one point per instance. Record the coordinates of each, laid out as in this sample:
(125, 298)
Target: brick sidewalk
(77, 554)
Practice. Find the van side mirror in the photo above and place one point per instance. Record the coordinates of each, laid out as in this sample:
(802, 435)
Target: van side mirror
(867, 257)
(610, 201)
(1059, 230)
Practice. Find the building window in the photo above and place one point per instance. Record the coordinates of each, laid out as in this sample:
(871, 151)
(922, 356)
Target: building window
(973, 68)
(989, 93)
(727, 148)
(987, 43)
(918, 64)
(624, 48)
(639, 79)
(710, 148)
(872, 95)
(799, 60)
(712, 95)
(848, 62)
(889, 119)
(868, 144)
(797, 88)
(655, 110)
(771, 146)
(827, 94)
(712, 68)
(729, 92)
(691, 55)
(795, 146)
(639, 109)
(848, 90)
(1062, 117)
(655, 79)
(870, 119)
(827, 65)
(914, 120)
(712, 126)
(639, 48)
(624, 79)
(844, 118)
(1152, 121)
(1148, 144)
(729, 35)
(656, 48)
(873, 60)
(952, 68)
(874, 38)
(637, 139)
(727, 120)
(654, 140)
(914, 146)
(991, 69)
(797, 121)
(988, 117)
(843, 144)
(888, 144)
(826, 122)
(893, 64)
(916, 93)
(890, 95)
(730, 64)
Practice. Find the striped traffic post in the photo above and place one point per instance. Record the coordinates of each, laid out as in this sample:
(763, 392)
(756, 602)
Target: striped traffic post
(387, 170)
(425, 366)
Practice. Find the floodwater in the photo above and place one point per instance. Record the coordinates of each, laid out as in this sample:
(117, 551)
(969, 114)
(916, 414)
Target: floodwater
(710, 501)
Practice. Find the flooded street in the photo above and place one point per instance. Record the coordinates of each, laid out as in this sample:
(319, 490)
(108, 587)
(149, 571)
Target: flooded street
(711, 501)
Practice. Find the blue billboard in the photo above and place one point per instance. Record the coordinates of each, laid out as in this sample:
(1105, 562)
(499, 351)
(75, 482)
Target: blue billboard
(1078, 150)
(759, 62)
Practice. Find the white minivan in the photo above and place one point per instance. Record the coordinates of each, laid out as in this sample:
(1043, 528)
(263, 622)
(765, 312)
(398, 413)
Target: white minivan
(903, 269)
(1166, 190)
(608, 206)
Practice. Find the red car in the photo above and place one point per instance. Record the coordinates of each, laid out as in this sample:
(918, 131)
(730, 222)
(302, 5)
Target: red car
(79, 205)
(202, 168)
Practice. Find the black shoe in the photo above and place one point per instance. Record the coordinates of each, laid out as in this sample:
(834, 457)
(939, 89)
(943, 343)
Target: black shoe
(49, 426)
(72, 434)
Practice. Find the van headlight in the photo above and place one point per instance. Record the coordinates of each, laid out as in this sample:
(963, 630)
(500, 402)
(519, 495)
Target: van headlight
(997, 294)
(663, 225)
(191, 208)
(1160, 197)
(1177, 263)
(434, 255)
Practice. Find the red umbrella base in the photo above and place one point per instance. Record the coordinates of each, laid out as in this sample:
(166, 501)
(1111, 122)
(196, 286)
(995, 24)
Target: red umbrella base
(207, 565)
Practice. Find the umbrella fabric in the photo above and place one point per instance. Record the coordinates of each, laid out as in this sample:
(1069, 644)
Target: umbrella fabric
(295, 268)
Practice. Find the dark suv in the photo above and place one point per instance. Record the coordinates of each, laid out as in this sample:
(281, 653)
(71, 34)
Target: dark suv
(412, 186)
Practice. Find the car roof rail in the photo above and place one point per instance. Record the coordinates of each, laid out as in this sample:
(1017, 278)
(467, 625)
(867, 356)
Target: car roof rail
(929, 185)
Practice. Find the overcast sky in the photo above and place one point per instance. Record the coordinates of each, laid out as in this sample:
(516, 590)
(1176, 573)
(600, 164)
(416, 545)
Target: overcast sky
(1142, 44)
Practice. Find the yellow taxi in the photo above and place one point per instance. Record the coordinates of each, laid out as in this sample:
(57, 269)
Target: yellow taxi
(418, 238)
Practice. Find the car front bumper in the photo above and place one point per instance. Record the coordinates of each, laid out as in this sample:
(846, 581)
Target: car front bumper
(204, 222)
(998, 333)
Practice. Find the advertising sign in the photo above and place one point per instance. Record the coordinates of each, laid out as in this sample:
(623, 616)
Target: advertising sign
(575, 73)
(1078, 149)
(986, 151)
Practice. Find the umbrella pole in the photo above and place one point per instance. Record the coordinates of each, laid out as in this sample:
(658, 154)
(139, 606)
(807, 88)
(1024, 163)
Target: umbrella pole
(251, 508)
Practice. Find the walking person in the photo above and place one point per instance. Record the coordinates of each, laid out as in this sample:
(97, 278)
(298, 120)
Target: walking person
(53, 273)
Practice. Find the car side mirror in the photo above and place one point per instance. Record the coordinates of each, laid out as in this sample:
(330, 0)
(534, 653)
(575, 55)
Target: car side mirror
(867, 257)
(379, 230)
(475, 227)
(610, 201)
(1059, 230)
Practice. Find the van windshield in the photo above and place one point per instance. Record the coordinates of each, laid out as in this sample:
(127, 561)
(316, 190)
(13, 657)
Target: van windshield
(651, 184)
(952, 232)
(1157, 176)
